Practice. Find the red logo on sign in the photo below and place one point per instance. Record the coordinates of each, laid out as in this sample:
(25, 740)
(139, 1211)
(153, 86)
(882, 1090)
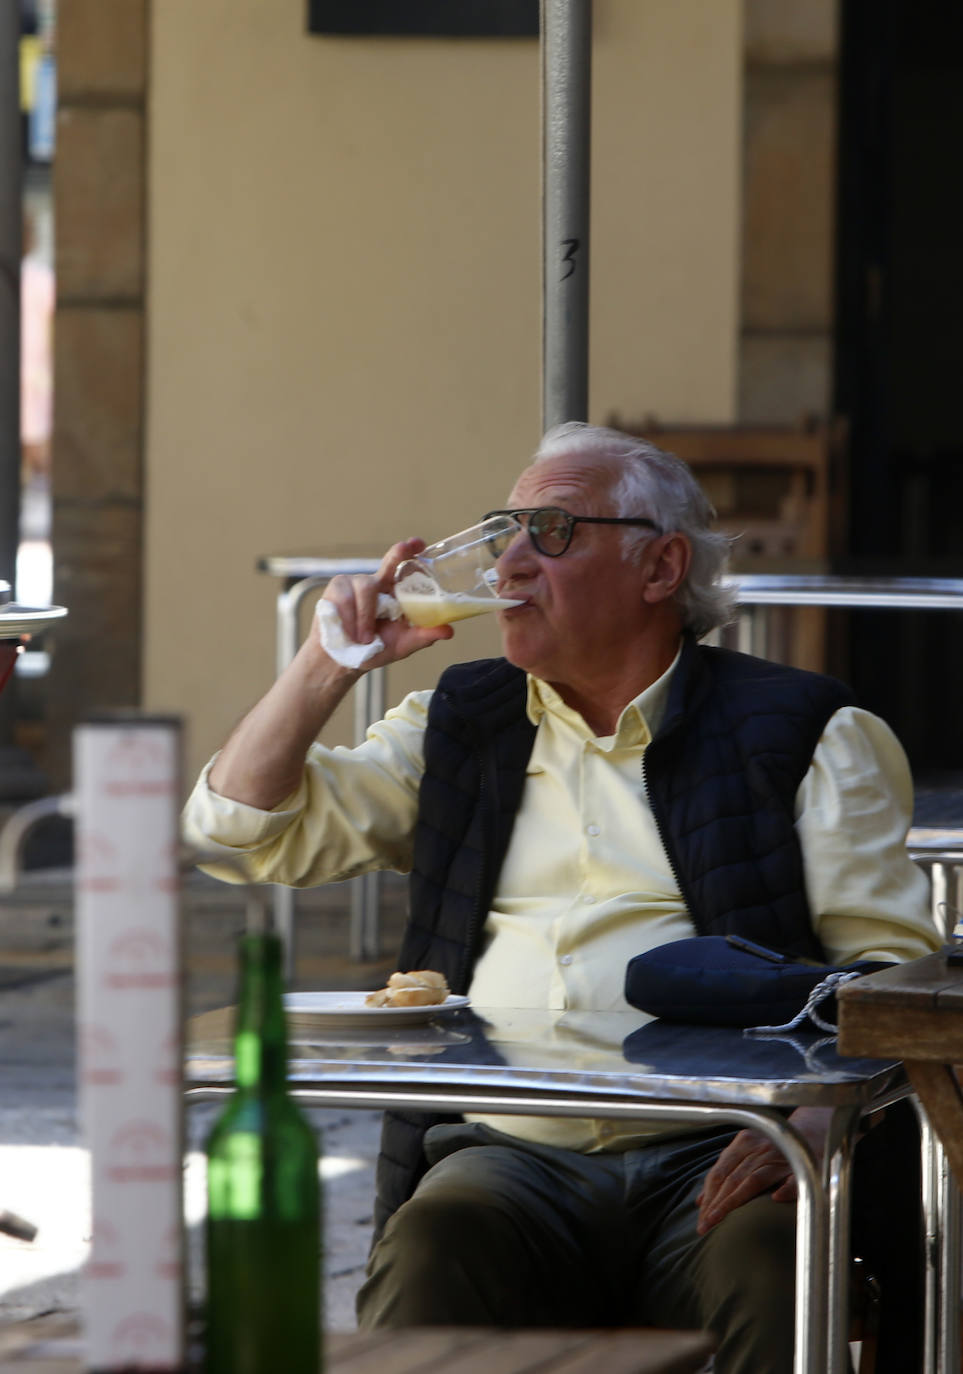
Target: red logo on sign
(97, 1051)
(139, 765)
(139, 958)
(169, 1260)
(139, 1336)
(103, 1262)
(140, 1152)
(168, 1061)
(96, 862)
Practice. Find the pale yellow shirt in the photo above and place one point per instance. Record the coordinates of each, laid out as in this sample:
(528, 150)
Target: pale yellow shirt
(586, 883)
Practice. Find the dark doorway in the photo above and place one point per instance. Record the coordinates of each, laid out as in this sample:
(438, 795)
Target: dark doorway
(899, 357)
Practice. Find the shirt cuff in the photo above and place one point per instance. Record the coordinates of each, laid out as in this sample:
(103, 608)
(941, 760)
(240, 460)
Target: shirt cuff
(214, 822)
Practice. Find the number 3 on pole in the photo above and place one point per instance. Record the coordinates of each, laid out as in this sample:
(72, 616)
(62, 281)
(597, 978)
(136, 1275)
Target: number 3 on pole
(572, 245)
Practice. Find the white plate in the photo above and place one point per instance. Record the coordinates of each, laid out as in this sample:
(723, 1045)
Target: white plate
(348, 1008)
(27, 620)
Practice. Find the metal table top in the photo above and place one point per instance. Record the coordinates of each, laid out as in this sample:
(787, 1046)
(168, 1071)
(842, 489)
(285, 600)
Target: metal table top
(619, 1056)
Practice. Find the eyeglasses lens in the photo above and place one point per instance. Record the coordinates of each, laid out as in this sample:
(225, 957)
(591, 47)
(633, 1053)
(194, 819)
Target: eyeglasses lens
(551, 531)
(503, 529)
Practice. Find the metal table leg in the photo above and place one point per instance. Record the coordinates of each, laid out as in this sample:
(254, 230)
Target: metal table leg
(837, 1180)
(932, 1230)
(282, 902)
(949, 1212)
(286, 646)
(942, 1238)
(369, 706)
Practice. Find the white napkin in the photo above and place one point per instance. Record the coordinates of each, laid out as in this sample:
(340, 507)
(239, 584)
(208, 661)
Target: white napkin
(336, 643)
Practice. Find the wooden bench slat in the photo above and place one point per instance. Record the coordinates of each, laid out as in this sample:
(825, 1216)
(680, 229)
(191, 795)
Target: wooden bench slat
(425, 1350)
(340, 1346)
(405, 1352)
(517, 1352)
(641, 1352)
(481, 1351)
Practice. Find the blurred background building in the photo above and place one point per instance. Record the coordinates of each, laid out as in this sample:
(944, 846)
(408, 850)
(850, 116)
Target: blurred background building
(298, 310)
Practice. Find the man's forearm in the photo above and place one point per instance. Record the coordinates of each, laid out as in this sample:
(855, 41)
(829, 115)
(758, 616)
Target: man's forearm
(263, 759)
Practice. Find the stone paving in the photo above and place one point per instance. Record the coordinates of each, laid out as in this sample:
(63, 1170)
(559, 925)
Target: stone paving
(43, 1170)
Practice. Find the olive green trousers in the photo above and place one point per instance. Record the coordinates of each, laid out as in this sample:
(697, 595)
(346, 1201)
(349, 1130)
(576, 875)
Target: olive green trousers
(502, 1232)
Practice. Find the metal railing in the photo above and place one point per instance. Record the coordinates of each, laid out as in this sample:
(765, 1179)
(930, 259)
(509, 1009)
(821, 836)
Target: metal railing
(757, 593)
(939, 852)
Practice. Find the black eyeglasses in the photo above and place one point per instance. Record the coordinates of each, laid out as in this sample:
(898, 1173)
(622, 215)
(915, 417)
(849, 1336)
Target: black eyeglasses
(550, 528)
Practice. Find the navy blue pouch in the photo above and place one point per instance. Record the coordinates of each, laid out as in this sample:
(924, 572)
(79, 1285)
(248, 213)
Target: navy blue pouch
(720, 980)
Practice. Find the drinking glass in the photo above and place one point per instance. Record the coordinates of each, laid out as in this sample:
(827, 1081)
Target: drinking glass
(456, 577)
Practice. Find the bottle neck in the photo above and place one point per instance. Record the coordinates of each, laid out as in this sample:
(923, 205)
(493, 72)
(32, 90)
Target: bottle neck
(260, 1037)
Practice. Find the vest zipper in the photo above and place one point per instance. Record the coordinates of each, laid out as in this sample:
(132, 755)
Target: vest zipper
(476, 919)
(673, 867)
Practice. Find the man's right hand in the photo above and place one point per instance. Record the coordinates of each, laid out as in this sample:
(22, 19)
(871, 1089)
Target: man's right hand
(356, 598)
(263, 759)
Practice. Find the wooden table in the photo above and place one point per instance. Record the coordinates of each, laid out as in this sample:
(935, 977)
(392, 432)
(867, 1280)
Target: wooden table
(914, 1012)
(49, 1345)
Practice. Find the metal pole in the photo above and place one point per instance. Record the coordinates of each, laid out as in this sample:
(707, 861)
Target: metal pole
(10, 253)
(566, 143)
(286, 646)
(837, 1179)
(934, 1292)
(949, 1339)
(369, 706)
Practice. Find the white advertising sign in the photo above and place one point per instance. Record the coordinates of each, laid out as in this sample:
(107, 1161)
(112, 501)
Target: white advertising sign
(129, 1037)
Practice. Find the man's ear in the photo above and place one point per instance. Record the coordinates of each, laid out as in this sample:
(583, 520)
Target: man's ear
(665, 565)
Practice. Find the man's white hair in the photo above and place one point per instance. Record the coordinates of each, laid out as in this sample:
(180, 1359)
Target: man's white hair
(647, 481)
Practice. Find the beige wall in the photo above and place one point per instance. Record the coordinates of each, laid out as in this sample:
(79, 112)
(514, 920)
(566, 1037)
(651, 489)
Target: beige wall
(344, 312)
(789, 216)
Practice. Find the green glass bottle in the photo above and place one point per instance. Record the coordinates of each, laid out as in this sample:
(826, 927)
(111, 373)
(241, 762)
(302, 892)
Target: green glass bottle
(263, 1197)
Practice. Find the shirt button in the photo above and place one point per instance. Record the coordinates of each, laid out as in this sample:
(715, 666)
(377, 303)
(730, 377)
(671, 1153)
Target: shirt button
(593, 830)
(565, 959)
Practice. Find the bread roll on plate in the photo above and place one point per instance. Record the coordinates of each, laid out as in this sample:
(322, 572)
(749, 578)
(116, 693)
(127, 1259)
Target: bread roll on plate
(377, 999)
(420, 988)
(419, 978)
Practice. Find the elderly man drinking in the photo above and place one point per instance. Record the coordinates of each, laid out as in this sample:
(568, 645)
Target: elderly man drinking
(607, 786)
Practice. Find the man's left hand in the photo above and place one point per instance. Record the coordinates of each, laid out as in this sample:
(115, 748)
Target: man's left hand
(751, 1164)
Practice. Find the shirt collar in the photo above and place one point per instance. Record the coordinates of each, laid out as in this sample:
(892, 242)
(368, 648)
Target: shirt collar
(638, 723)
